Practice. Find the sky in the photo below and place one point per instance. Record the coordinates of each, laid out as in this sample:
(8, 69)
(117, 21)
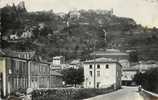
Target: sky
(144, 12)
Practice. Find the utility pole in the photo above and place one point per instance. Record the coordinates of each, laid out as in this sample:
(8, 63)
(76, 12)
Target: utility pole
(94, 69)
(94, 61)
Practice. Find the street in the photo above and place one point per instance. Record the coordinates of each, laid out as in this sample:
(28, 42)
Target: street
(127, 93)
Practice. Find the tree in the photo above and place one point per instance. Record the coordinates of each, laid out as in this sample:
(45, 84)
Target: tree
(138, 78)
(148, 80)
(73, 76)
(133, 56)
(12, 17)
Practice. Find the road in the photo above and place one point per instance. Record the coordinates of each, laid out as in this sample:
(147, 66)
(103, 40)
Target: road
(127, 93)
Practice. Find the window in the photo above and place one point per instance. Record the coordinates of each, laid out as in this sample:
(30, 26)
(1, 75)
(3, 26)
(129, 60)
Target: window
(98, 73)
(90, 66)
(117, 74)
(98, 66)
(107, 66)
(98, 83)
(41, 68)
(90, 72)
(89, 83)
(16, 66)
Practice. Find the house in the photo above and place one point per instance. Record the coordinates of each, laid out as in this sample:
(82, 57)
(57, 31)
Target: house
(58, 60)
(58, 63)
(102, 73)
(74, 14)
(13, 37)
(120, 56)
(76, 64)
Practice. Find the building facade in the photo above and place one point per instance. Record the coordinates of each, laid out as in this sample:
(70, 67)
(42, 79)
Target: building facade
(3, 76)
(102, 73)
(39, 75)
(128, 76)
(141, 67)
(56, 79)
(14, 74)
(17, 72)
(21, 73)
(58, 60)
(58, 63)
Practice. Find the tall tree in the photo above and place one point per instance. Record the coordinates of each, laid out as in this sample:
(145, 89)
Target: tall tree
(148, 80)
(73, 76)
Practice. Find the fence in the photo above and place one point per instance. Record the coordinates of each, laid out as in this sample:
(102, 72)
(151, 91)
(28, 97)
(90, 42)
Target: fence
(153, 96)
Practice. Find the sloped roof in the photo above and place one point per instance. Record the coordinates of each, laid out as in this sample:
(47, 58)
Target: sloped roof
(54, 73)
(77, 61)
(57, 57)
(56, 67)
(110, 52)
(13, 53)
(101, 60)
(1, 52)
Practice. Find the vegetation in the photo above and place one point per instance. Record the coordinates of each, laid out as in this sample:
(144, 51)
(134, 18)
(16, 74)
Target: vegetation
(74, 36)
(73, 76)
(148, 80)
(68, 94)
(133, 56)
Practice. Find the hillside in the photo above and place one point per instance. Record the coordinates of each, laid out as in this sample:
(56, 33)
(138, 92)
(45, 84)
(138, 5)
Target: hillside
(74, 34)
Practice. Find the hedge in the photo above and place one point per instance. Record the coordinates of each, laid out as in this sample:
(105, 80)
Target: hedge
(68, 94)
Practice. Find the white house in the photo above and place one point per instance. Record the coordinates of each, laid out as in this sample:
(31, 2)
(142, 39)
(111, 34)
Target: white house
(58, 60)
(26, 34)
(58, 63)
(14, 37)
(102, 73)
